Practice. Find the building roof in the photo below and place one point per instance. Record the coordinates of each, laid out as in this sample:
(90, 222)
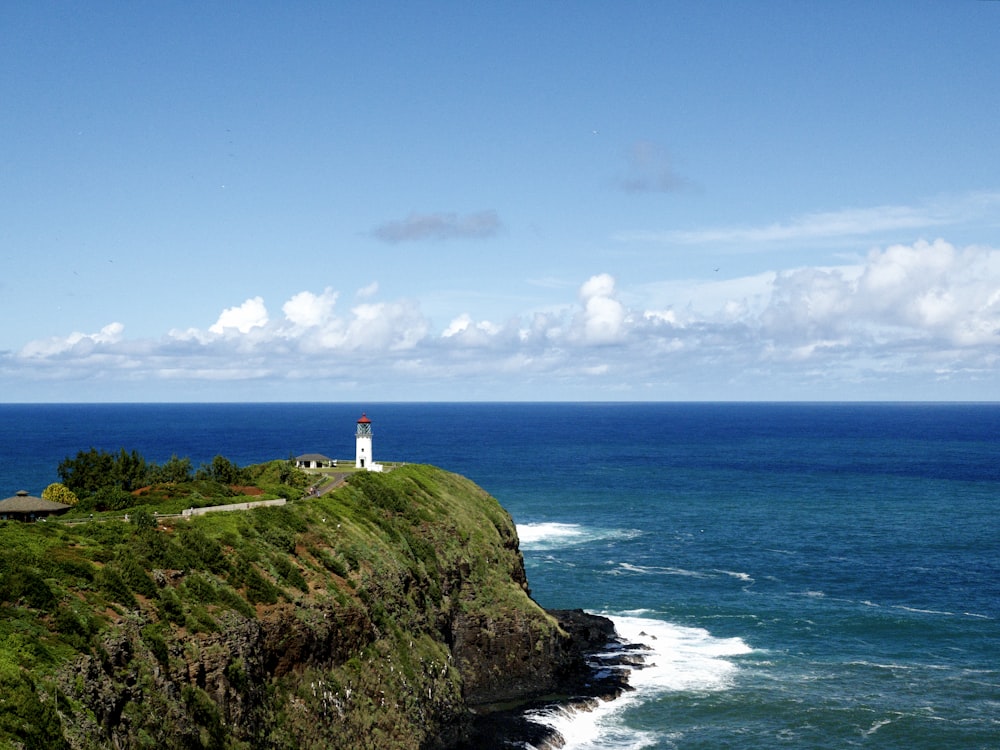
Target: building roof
(22, 502)
(364, 419)
(313, 457)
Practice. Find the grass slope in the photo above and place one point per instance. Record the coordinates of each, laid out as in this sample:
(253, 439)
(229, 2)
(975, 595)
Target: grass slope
(320, 623)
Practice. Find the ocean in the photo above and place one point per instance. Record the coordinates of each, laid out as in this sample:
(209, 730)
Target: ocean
(805, 575)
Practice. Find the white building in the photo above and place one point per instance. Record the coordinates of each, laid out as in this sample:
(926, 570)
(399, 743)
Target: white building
(363, 456)
(314, 461)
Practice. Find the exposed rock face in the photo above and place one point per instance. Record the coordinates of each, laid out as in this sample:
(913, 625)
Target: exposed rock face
(410, 623)
(581, 677)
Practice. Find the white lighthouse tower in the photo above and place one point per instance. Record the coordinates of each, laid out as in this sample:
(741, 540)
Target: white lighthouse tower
(363, 457)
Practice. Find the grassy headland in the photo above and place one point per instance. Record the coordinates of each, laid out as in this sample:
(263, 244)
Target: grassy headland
(372, 616)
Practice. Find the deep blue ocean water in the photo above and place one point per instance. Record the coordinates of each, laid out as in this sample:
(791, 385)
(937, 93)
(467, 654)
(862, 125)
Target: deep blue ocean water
(807, 575)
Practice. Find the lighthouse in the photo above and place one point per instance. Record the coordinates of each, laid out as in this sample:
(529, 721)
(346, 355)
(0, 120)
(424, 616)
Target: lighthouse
(363, 458)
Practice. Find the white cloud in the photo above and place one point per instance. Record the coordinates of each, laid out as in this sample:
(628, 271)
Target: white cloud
(825, 225)
(367, 291)
(306, 309)
(78, 342)
(463, 330)
(251, 314)
(925, 291)
(927, 310)
(459, 324)
(603, 317)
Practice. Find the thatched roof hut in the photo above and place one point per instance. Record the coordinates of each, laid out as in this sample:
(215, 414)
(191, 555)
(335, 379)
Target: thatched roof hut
(25, 507)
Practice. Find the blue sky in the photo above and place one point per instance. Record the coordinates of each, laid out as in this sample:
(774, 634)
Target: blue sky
(499, 201)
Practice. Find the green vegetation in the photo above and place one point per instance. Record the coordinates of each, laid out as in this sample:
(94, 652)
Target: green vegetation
(60, 493)
(324, 622)
(99, 481)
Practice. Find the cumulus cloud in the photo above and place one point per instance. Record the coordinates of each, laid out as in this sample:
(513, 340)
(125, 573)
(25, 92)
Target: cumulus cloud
(76, 342)
(307, 309)
(251, 314)
(470, 333)
(928, 291)
(603, 317)
(439, 226)
(926, 310)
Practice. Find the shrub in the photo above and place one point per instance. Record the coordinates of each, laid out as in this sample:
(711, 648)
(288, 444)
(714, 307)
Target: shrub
(259, 589)
(75, 627)
(27, 717)
(134, 576)
(171, 608)
(27, 587)
(142, 519)
(60, 493)
(203, 548)
(153, 639)
(114, 498)
(200, 589)
(69, 564)
(289, 572)
(203, 711)
(280, 539)
(114, 587)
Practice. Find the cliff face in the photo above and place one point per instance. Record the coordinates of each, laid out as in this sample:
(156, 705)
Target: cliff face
(376, 616)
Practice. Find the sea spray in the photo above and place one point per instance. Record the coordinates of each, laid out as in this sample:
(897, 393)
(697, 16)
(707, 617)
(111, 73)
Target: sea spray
(660, 657)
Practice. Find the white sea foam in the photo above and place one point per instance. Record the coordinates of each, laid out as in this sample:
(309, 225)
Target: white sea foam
(553, 535)
(879, 724)
(924, 611)
(677, 658)
(746, 577)
(658, 570)
(538, 533)
(624, 567)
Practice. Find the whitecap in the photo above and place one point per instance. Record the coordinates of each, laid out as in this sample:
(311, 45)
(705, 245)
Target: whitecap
(746, 577)
(879, 724)
(877, 665)
(548, 535)
(925, 611)
(657, 570)
(534, 533)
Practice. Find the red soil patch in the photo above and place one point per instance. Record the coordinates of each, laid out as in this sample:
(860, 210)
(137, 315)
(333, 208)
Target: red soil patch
(243, 490)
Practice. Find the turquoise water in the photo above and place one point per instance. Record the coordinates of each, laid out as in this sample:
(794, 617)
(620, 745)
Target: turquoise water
(807, 575)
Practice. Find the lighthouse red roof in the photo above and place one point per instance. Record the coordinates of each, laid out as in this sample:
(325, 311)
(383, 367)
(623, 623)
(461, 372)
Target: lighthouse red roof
(364, 419)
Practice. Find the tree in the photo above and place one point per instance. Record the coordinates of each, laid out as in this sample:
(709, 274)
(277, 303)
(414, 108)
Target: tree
(89, 472)
(60, 493)
(222, 470)
(175, 470)
(131, 472)
(97, 471)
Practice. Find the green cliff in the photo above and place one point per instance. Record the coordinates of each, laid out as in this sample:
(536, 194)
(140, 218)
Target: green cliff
(381, 615)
